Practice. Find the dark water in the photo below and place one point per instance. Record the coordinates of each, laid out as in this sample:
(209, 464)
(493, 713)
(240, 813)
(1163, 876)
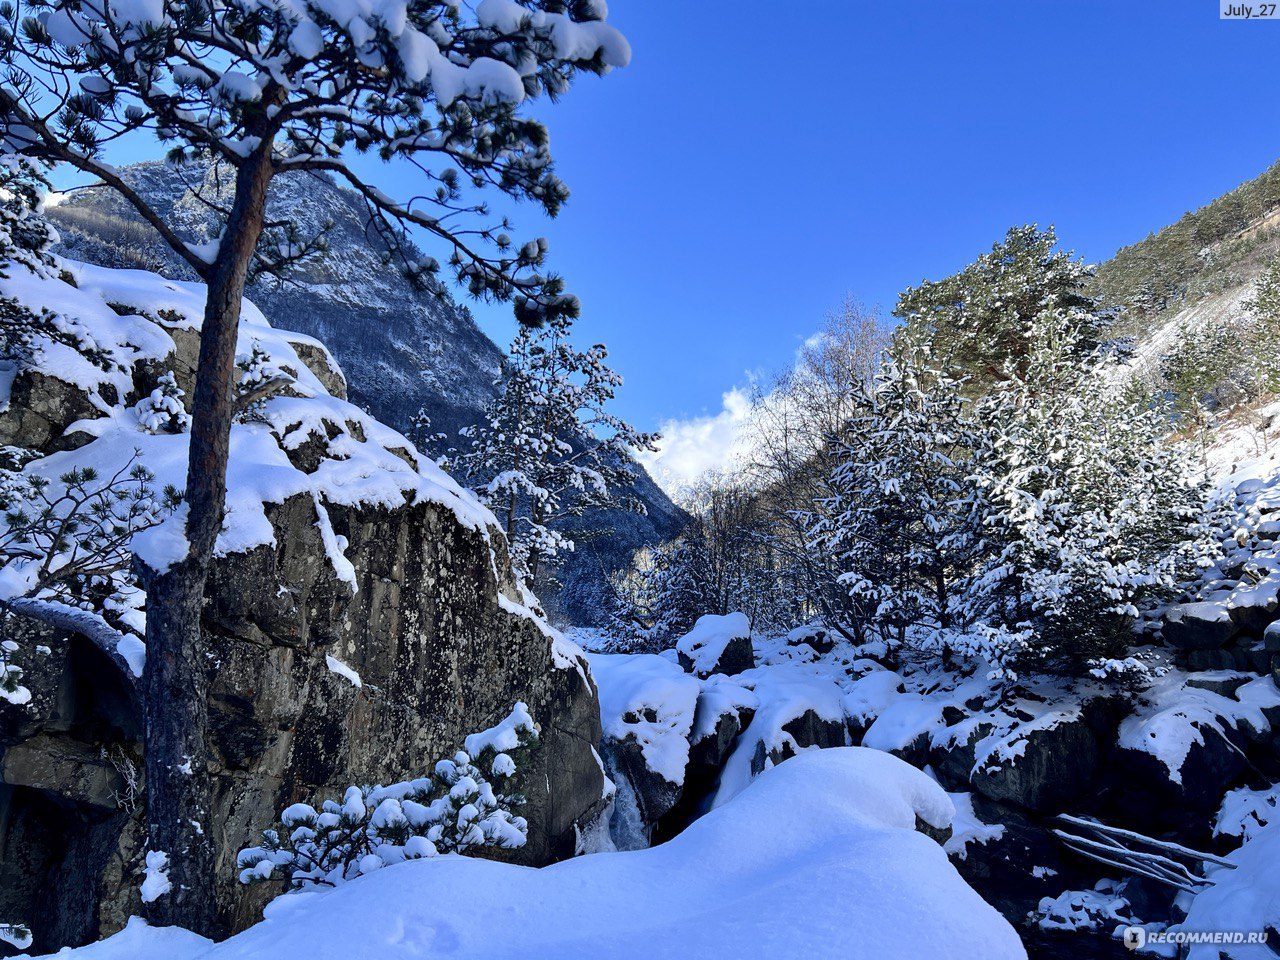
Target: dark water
(1044, 945)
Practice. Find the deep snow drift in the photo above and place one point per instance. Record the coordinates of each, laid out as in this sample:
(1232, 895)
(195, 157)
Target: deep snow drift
(818, 857)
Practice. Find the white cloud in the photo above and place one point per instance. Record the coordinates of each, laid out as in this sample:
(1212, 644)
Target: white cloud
(691, 448)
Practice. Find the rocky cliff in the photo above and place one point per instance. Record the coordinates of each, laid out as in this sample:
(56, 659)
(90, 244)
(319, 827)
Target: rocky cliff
(362, 609)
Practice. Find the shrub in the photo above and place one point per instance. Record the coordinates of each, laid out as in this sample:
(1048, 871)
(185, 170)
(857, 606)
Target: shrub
(456, 811)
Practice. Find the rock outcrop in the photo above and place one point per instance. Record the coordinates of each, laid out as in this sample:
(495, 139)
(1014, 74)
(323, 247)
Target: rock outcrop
(362, 610)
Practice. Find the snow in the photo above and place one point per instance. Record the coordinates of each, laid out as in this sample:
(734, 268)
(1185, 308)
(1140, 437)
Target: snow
(1245, 812)
(818, 858)
(505, 735)
(1172, 717)
(1244, 899)
(341, 669)
(156, 883)
(966, 828)
(1103, 907)
(907, 717)
(652, 700)
(785, 692)
(870, 695)
(704, 644)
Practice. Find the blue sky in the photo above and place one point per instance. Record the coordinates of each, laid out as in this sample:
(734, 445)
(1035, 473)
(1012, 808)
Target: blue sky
(757, 162)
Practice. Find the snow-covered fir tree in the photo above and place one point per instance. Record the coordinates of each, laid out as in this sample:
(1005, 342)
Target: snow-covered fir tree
(902, 522)
(1264, 311)
(549, 449)
(1208, 370)
(162, 410)
(658, 597)
(1093, 513)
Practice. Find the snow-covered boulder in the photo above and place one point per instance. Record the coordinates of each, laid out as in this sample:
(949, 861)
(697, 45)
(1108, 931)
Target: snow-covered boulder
(1199, 626)
(717, 645)
(361, 604)
(1185, 743)
(647, 706)
(1046, 765)
(818, 858)
(1244, 899)
(798, 708)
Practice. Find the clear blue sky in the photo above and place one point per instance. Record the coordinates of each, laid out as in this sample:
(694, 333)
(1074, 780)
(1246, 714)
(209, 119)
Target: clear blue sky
(759, 160)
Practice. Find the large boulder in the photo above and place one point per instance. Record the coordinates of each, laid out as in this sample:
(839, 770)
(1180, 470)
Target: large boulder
(1044, 766)
(717, 645)
(362, 614)
(1199, 626)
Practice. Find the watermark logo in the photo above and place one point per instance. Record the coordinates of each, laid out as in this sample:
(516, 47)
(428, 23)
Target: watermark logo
(1247, 10)
(1136, 938)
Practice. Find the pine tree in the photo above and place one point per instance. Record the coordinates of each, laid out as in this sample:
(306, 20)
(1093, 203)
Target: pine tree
(658, 598)
(1264, 308)
(1207, 369)
(982, 321)
(902, 521)
(1092, 512)
(549, 449)
(261, 88)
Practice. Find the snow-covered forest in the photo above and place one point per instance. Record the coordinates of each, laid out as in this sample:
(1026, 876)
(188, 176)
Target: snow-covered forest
(375, 639)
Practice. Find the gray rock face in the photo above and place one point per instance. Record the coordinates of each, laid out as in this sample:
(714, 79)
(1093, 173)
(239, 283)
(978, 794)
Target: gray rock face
(433, 628)
(1058, 765)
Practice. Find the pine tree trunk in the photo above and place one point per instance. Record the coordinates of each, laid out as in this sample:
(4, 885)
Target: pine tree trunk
(179, 661)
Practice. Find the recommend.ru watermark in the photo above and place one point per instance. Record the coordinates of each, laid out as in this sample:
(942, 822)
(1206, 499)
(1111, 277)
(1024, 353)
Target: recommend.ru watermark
(1244, 10)
(1136, 938)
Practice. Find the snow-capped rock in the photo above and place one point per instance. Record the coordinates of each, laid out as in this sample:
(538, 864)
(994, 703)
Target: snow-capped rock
(717, 644)
(340, 545)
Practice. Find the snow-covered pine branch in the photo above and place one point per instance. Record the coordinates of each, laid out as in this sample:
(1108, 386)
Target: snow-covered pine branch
(430, 83)
(467, 804)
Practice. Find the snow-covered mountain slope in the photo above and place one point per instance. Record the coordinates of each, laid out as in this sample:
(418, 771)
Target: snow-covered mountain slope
(1194, 274)
(401, 349)
(817, 858)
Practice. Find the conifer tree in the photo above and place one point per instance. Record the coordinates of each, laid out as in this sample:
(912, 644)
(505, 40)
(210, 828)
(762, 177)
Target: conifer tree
(1092, 512)
(1264, 308)
(982, 321)
(259, 88)
(549, 449)
(902, 521)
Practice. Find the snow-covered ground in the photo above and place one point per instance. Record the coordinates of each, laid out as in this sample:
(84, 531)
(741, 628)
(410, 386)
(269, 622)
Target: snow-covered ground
(819, 857)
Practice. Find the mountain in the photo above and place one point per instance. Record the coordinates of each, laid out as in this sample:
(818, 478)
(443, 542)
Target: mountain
(1194, 273)
(403, 350)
